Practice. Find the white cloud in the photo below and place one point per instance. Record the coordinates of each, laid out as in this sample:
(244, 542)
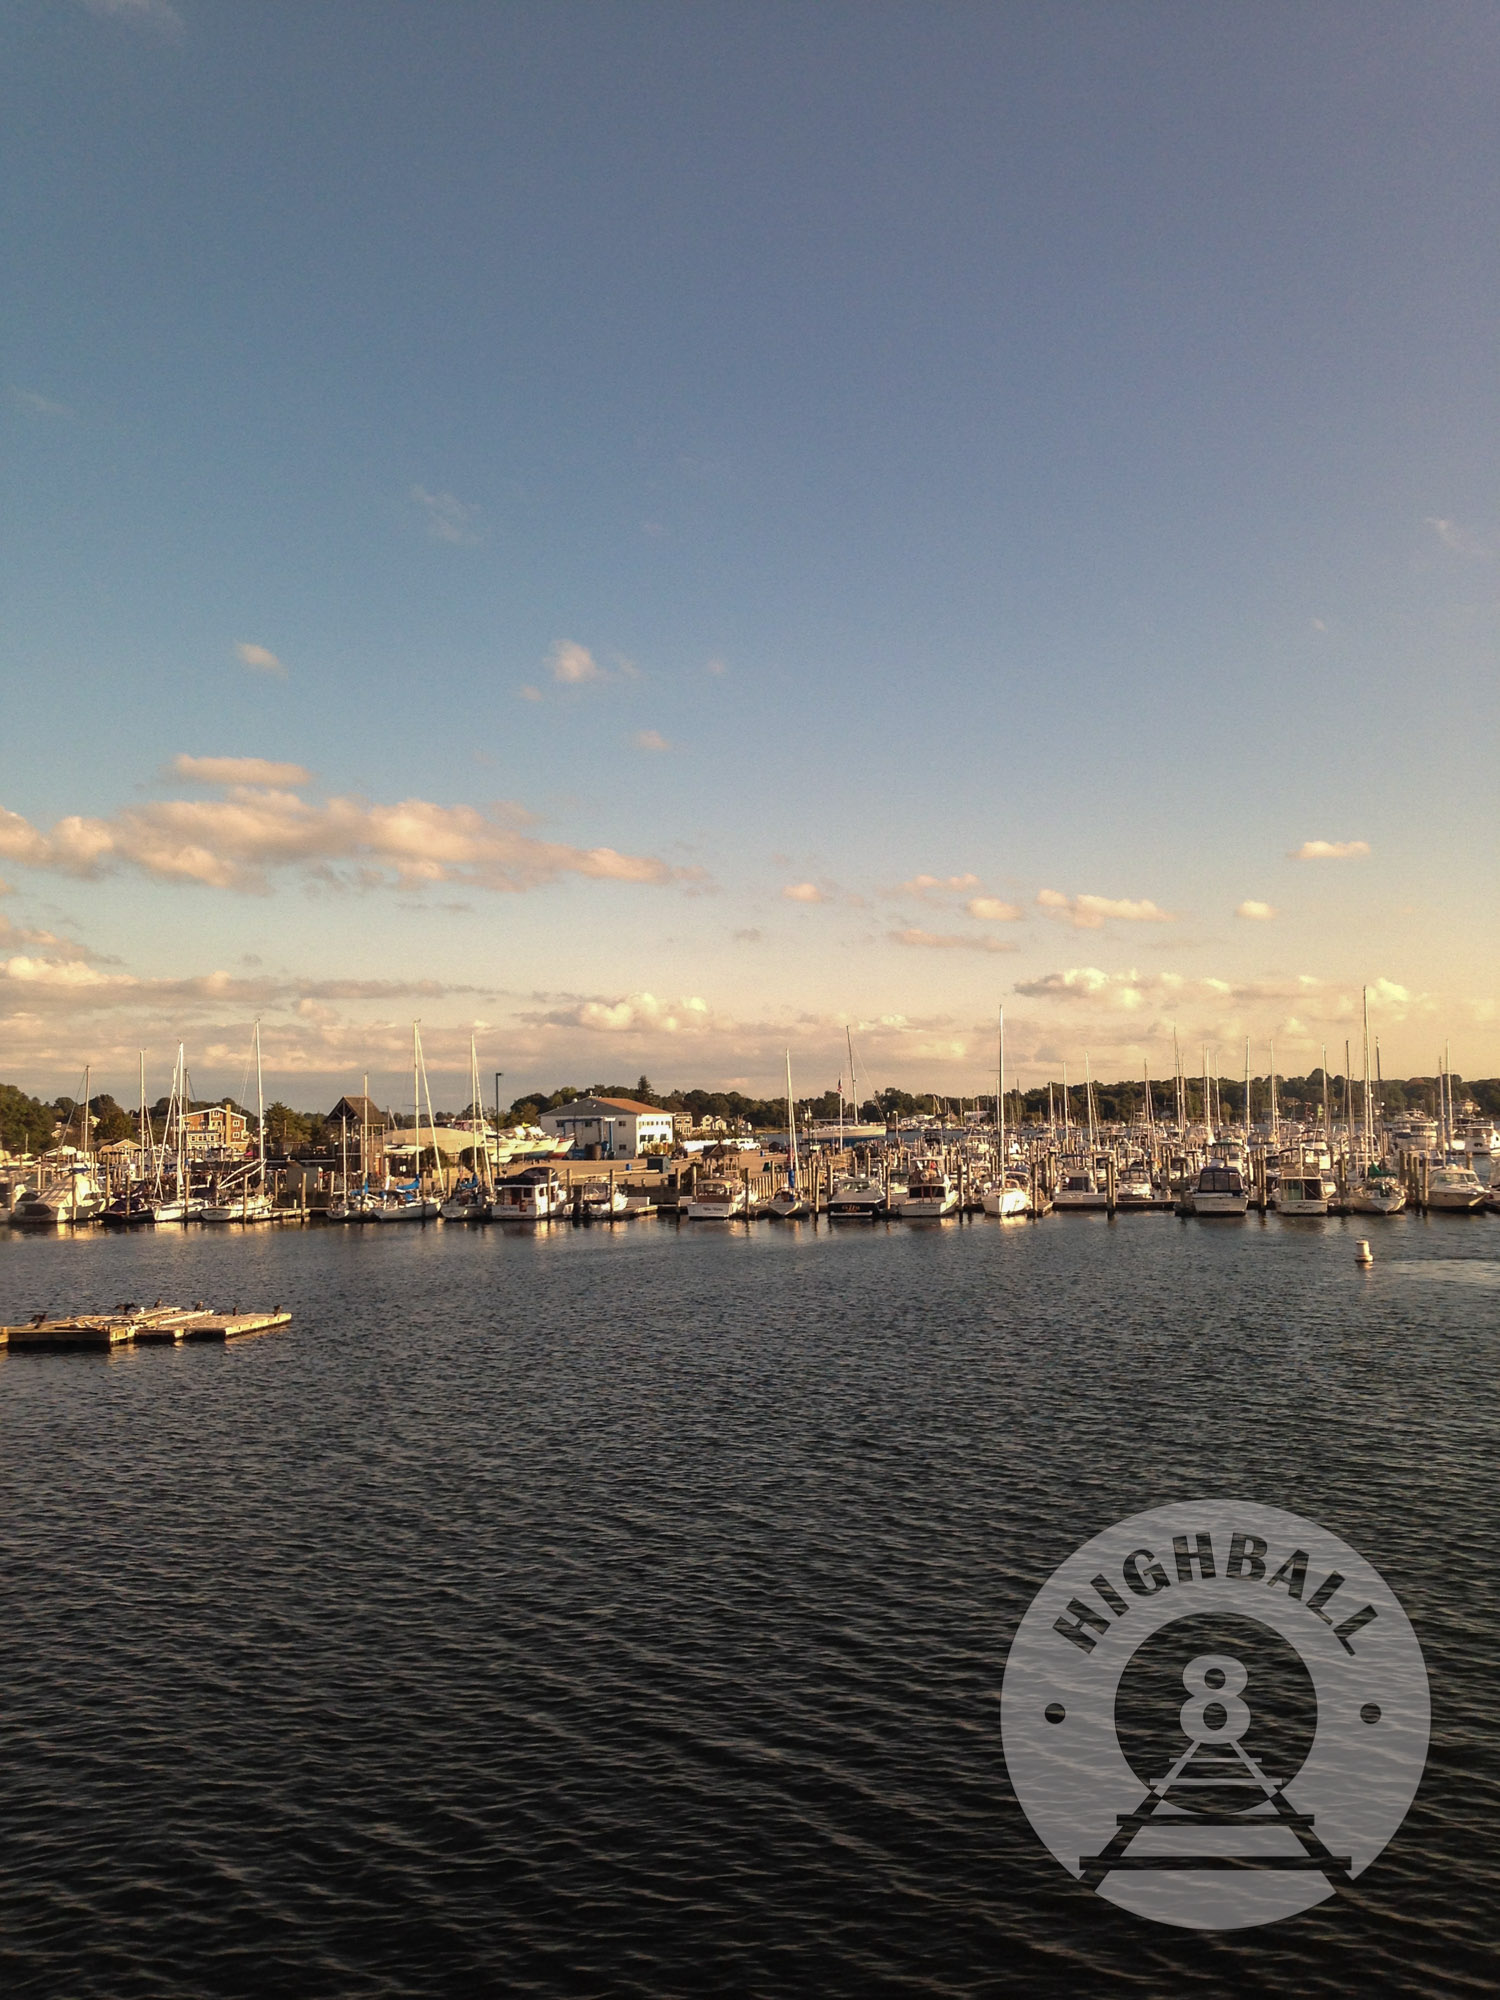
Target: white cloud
(573, 664)
(448, 519)
(936, 888)
(1090, 913)
(1330, 850)
(990, 910)
(650, 739)
(1460, 541)
(239, 771)
(794, 892)
(260, 658)
(1259, 913)
(240, 841)
(935, 941)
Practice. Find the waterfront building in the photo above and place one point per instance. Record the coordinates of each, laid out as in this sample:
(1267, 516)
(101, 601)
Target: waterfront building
(610, 1128)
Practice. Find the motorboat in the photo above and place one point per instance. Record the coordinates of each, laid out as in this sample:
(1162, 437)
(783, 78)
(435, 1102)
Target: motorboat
(533, 1195)
(715, 1201)
(1301, 1193)
(67, 1197)
(601, 1201)
(856, 1198)
(1134, 1187)
(1218, 1191)
(929, 1195)
(254, 1205)
(134, 1209)
(1078, 1189)
(1457, 1188)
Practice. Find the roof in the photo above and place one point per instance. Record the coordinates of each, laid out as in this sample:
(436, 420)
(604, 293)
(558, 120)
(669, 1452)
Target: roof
(357, 1110)
(582, 1106)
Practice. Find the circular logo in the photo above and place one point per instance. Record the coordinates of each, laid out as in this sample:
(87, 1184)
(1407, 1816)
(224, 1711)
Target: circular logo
(1214, 1713)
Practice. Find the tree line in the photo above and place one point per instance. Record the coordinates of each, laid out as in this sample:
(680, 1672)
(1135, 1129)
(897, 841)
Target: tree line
(30, 1124)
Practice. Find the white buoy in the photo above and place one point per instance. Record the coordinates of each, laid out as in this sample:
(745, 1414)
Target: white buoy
(1362, 1251)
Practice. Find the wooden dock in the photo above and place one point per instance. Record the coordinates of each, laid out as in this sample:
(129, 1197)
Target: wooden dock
(139, 1326)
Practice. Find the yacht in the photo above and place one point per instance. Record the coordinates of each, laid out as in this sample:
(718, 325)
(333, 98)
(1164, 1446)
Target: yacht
(856, 1198)
(1454, 1188)
(601, 1201)
(715, 1201)
(1301, 1192)
(68, 1196)
(1220, 1191)
(930, 1195)
(1078, 1189)
(534, 1195)
(1133, 1186)
(785, 1204)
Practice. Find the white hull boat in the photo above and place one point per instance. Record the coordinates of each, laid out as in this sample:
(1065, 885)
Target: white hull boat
(715, 1201)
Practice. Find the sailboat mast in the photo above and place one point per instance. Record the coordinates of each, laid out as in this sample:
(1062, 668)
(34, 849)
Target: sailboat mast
(1000, 1099)
(260, 1108)
(791, 1129)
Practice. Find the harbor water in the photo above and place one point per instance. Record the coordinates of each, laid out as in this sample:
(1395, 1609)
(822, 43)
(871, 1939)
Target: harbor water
(624, 1611)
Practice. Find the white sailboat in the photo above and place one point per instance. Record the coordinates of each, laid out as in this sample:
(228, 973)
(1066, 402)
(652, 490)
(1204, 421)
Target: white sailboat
(473, 1199)
(1004, 1196)
(253, 1205)
(786, 1203)
(405, 1201)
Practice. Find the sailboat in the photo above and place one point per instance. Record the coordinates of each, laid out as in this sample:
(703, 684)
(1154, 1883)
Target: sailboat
(253, 1205)
(786, 1202)
(1003, 1197)
(473, 1199)
(404, 1201)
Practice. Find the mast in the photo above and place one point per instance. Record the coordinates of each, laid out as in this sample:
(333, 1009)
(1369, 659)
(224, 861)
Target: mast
(853, 1085)
(1150, 1115)
(1088, 1099)
(364, 1132)
(791, 1128)
(1327, 1127)
(179, 1089)
(1247, 1091)
(1275, 1116)
(260, 1109)
(1067, 1110)
(1366, 1108)
(145, 1121)
(1208, 1103)
(1000, 1099)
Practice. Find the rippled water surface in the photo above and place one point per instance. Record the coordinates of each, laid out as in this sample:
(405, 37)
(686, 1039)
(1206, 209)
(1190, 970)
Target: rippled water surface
(624, 1612)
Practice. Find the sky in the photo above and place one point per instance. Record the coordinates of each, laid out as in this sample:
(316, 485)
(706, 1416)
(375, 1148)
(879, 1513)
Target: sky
(653, 535)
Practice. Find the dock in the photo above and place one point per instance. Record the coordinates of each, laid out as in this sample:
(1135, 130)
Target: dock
(130, 1326)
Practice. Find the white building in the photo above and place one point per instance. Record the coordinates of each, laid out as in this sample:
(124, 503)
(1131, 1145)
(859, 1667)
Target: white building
(610, 1128)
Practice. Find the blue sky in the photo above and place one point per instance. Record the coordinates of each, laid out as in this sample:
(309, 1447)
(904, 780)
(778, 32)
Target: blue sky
(1010, 476)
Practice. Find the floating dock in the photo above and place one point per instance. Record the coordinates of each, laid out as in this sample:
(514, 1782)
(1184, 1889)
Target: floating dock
(129, 1326)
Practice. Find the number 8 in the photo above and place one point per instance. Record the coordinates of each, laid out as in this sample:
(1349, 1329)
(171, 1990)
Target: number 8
(1215, 1714)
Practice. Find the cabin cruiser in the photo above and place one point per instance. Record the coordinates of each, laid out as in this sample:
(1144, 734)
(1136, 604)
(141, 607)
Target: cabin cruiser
(1301, 1192)
(1219, 1191)
(1133, 1186)
(600, 1200)
(68, 1197)
(534, 1195)
(929, 1195)
(716, 1201)
(856, 1198)
(1454, 1188)
(1078, 1189)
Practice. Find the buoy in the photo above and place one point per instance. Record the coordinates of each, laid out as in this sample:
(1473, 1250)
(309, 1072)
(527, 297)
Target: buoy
(1362, 1251)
